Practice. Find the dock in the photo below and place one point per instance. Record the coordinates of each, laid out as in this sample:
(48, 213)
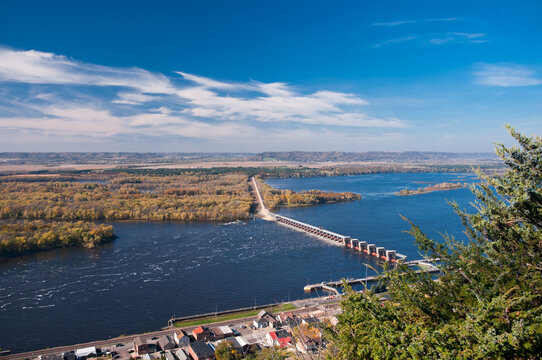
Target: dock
(331, 286)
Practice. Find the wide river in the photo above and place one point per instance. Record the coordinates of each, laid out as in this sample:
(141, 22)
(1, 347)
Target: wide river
(156, 270)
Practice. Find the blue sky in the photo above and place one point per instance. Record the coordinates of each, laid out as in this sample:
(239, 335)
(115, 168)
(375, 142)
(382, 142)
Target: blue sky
(251, 76)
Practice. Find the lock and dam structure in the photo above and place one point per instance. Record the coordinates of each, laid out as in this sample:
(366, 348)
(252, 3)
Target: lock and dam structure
(379, 252)
(364, 247)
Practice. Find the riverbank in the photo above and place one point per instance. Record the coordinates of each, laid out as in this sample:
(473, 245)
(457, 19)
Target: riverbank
(241, 324)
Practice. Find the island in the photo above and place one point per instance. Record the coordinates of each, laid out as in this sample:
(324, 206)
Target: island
(444, 186)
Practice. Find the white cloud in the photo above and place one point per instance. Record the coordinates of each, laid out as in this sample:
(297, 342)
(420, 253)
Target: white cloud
(132, 98)
(506, 75)
(36, 67)
(136, 102)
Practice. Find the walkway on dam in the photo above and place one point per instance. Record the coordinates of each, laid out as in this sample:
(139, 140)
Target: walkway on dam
(261, 211)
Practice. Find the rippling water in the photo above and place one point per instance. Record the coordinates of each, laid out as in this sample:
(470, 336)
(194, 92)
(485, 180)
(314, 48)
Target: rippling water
(155, 270)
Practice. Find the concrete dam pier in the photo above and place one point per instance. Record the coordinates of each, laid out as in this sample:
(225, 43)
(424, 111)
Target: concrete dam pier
(362, 246)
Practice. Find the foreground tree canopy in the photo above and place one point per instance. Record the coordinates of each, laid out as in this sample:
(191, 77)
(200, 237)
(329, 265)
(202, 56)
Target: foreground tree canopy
(487, 301)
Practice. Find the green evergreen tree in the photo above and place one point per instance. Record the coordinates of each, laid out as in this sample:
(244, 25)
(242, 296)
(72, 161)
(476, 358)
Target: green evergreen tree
(487, 303)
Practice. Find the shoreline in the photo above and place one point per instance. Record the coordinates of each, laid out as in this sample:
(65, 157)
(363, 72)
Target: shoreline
(301, 307)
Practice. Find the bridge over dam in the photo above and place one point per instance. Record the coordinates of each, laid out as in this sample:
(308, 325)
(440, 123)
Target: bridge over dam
(379, 252)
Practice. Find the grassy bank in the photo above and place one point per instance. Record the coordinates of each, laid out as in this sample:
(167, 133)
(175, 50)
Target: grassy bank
(233, 316)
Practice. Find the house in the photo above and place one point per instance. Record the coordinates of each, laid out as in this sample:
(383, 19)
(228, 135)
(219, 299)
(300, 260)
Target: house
(140, 347)
(284, 342)
(238, 342)
(202, 333)
(169, 356)
(200, 351)
(181, 338)
(69, 356)
(274, 338)
(180, 354)
(273, 322)
(260, 323)
(289, 319)
(166, 343)
(86, 352)
(222, 332)
(311, 320)
(305, 345)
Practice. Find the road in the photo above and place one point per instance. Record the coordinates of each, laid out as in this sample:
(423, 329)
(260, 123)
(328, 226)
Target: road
(262, 211)
(130, 338)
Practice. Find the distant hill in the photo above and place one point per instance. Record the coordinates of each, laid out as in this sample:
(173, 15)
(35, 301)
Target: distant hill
(130, 158)
(120, 158)
(377, 156)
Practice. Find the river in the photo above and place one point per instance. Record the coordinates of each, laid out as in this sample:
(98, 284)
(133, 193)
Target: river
(156, 270)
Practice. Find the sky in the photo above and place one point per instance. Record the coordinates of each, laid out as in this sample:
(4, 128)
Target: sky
(254, 76)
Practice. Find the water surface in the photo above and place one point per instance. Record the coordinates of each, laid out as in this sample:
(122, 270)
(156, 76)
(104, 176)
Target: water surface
(155, 270)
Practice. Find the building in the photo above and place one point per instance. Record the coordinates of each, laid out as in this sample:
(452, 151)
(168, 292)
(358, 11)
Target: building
(311, 320)
(69, 355)
(260, 323)
(239, 343)
(200, 351)
(202, 333)
(180, 354)
(169, 356)
(305, 345)
(272, 321)
(278, 338)
(222, 332)
(140, 347)
(86, 352)
(289, 319)
(181, 338)
(166, 343)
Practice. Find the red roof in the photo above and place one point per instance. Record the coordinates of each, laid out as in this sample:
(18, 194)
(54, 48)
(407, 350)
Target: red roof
(273, 335)
(283, 342)
(199, 330)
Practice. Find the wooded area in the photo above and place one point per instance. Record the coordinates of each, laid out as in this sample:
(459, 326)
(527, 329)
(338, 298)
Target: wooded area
(31, 236)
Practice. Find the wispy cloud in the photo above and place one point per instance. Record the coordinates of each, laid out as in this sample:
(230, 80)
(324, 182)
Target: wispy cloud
(458, 37)
(506, 75)
(66, 97)
(437, 39)
(395, 41)
(413, 21)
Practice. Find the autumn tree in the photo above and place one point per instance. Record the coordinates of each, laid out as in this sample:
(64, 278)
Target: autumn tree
(226, 351)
